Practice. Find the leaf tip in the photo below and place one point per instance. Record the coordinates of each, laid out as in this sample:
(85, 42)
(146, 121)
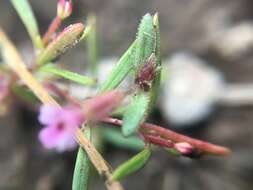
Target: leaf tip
(156, 19)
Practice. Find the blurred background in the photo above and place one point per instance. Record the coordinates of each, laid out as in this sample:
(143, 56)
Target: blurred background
(206, 42)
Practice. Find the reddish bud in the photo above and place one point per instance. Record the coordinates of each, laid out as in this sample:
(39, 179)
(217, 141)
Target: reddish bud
(100, 106)
(64, 8)
(184, 148)
(147, 73)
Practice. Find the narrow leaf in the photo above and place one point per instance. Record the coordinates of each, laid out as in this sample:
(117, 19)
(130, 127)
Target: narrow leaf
(67, 39)
(157, 39)
(157, 80)
(120, 71)
(26, 14)
(82, 166)
(140, 105)
(144, 41)
(140, 49)
(132, 165)
(135, 113)
(49, 68)
(116, 138)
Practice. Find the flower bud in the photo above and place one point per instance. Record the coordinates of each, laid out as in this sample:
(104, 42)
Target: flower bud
(184, 148)
(102, 105)
(64, 8)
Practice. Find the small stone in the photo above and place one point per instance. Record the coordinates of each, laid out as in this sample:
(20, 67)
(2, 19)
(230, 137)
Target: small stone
(190, 90)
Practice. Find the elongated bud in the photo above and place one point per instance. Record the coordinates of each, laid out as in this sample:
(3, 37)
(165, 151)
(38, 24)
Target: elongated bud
(68, 38)
(64, 9)
(100, 106)
(184, 148)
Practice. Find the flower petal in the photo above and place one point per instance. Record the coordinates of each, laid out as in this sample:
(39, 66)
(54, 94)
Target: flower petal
(72, 116)
(49, 137)
(48, 114)
(61, 139)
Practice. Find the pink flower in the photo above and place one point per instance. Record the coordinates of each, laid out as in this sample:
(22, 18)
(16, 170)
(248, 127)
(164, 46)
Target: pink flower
(60, 127)
(64, 8)
(61, 123)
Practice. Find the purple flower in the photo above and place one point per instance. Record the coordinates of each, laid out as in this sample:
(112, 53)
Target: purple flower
(60, 127)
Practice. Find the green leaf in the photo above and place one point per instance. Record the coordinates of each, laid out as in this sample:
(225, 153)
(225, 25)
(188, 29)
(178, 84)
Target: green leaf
(157, 39)
(155, 87)
(26, 14)
(92, 43)
(49, 68)
(135, 113)
(135, 56)
(67, 39)
(116, 138)
(132, 165)
(144, 41)
(120, 71)
(141, 104)
(82, 167)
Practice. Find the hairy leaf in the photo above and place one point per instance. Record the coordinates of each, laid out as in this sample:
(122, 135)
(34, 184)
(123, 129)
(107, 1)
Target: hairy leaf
(139, 107)
(135, 113)
(144, 41)
(157, 80)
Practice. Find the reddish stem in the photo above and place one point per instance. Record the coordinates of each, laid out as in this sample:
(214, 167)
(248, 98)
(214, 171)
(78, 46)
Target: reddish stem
(55, 24)
(157, 140)
(152, 129)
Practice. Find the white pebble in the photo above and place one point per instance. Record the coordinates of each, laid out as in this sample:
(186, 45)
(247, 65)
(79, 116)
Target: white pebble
(190, 89)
